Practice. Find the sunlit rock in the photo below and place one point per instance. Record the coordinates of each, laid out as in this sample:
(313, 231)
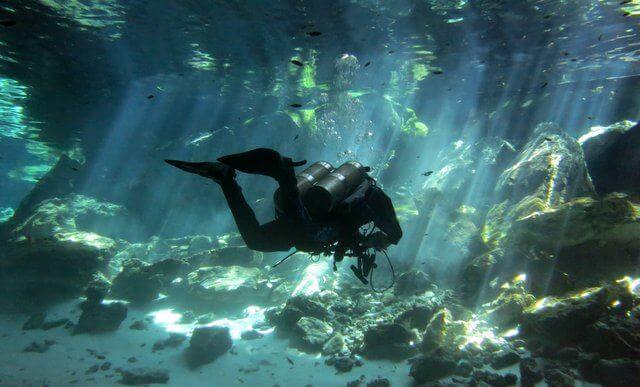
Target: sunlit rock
(443, 333)
(225, 287)
(612, 156)
(551, 166)
(556, 321)
(334, 345)
(236, 255)
(512, 300)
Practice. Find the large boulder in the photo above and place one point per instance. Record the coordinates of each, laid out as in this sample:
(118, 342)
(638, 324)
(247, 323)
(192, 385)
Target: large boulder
(207, 344)
(412, 282)
(297, 307)
(236, 256)
(511, 302)
(389, 341)
(612, 156)
(443, 333)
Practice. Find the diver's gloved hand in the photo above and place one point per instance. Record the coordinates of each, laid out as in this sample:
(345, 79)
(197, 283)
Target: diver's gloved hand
(378, 240)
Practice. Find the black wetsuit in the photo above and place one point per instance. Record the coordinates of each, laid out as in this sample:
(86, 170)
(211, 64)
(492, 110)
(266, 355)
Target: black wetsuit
(293, 227)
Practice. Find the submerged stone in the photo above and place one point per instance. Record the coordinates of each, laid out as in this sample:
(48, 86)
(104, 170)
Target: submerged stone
(100, 317)
(142, 376)
(206, 345)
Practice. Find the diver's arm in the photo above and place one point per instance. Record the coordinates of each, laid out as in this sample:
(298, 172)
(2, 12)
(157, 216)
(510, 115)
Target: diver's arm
(384, 215)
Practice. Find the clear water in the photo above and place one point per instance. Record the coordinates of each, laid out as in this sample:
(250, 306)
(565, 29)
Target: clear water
(441, 98)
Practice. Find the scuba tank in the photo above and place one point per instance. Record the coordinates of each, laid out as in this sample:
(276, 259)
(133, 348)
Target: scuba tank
(333, 188)
(305, 179)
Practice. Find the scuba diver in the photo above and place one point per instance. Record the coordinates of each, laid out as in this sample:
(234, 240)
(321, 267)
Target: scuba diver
(319, 211)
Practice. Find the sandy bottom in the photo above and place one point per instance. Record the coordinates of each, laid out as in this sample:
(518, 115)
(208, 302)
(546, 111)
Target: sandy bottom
(68, 361)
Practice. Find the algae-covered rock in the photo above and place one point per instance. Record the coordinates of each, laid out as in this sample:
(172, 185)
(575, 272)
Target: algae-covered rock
(443, 333)
(511, 302)
(236, 256)
(412, 282)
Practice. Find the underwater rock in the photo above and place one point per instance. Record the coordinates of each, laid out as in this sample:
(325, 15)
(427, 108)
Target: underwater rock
(551, 167)
(615, 336)
(504, 358)
(334, 345)
(174, 340)
(206, 345)
(412, 282)
(41, 271)
(612, 156)
(100, 317)
(58, 182)
(495, 379)
(557, 378)
(531, 371)
(98, 288)
(417, 316)
(54, 323)
(236, 256)
(379, 382)
(558, 321)
(251, 335)
(614, 372)
(140, 376)
(511, 302)
(222, 287)
(389, 341)
(39, 347)
(34, 321)
(443, 333)
(426, 368)
(140, 283)
(295, 308)
(312, 333)
(199, 243)
(138, 325)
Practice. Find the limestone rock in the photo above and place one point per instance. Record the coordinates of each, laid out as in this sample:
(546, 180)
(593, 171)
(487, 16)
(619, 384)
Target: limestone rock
(236, 256)
(140, 283)
(334, 345)
(530, 372)
(207, 344)
(443, 333)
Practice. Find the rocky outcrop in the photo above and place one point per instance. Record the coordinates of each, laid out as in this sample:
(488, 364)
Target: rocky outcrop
(312, 333)
(412, 282)
(612, 156)
(426, 368)
(206, 345)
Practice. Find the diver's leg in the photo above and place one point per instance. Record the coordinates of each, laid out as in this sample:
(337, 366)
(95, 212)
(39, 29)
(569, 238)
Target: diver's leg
(290, 196)
(270, 237)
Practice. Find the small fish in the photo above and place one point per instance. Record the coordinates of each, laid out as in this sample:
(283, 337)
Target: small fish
(296, 137)
(290, 361)
(590, 117)
(297, 62)
(544, 84)
(438, 72)
(8, 23)
(625, 2)
(151, 96)
(367, 64)
(428, 173)
(314, 33)
(295, 105)
(74, 168)
(547, 16)
(391, 51)
(600, 37)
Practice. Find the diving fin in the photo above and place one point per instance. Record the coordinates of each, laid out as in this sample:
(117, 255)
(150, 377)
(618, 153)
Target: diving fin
(261, 161)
